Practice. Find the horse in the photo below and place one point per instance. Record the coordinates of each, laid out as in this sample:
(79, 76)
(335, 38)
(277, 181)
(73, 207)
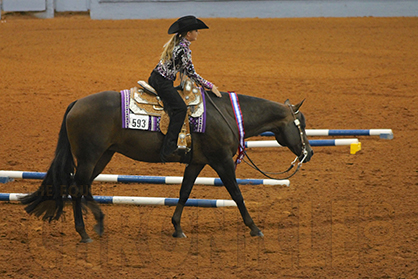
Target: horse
(91, 133)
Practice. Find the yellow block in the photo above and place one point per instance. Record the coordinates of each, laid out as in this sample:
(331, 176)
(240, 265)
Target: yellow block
(354, 147)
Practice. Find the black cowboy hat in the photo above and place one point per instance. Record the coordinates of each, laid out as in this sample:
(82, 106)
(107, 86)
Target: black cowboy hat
(186, 23)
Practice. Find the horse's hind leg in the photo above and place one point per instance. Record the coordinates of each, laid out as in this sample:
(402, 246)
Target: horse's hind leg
(78, 219)
(226, 172)
(83, 179)
(91, 203)
(97, 213)
(190, 174)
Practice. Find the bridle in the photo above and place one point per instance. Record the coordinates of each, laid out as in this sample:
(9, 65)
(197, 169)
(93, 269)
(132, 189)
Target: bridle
(302, 139)
(292, 164)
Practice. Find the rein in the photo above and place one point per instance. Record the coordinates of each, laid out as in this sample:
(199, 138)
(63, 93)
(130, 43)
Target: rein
(251, 163)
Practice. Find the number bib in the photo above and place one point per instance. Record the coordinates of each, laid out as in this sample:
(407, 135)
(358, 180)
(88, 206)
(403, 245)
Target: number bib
(140, 122)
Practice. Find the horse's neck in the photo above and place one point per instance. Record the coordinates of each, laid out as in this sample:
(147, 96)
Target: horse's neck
(261, 115)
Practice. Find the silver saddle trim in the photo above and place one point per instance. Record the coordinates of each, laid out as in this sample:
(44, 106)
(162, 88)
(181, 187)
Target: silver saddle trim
(147, 87)
(138, 110)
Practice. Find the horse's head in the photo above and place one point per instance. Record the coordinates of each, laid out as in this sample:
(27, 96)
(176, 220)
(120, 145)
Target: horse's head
(292, 133)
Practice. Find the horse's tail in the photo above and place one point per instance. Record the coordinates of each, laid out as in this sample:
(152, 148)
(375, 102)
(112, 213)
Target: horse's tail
(48, 198)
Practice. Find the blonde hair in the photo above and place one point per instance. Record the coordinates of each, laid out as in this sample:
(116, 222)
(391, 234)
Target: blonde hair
(167, 53)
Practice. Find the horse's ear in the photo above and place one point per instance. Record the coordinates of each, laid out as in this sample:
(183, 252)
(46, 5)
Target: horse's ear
(287, 102)
(296, 107)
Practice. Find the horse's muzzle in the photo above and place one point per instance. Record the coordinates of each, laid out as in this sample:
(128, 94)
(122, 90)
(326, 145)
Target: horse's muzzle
(309, 155)
(306, 155)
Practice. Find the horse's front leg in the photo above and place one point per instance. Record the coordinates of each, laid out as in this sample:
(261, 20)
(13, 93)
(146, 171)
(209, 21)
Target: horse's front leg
(190, 174)
(226, 171)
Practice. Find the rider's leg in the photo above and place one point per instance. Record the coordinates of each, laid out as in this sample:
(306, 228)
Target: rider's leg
(176, 109)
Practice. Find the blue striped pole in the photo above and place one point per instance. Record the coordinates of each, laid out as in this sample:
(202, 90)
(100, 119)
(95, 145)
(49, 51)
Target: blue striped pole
(9, 175)
(383, 133)
(139, 200)
(274, 143)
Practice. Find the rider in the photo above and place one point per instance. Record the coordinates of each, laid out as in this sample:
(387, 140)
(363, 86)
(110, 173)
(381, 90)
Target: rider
(176, 57)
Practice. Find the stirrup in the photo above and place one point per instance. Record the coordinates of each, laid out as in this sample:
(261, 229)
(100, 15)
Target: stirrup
(182, 143)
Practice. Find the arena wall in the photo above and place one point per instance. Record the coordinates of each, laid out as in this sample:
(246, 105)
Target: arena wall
(154, 9)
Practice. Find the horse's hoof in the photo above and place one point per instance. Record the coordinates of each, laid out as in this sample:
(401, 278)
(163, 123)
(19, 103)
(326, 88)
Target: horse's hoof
(257, 233)
(99, 229)
(87, 240)
(179, 235)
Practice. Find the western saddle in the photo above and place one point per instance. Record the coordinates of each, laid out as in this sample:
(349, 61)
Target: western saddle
(145, 101)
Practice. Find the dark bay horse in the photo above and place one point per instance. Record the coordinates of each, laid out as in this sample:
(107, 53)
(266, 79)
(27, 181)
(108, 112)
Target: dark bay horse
(91, 132)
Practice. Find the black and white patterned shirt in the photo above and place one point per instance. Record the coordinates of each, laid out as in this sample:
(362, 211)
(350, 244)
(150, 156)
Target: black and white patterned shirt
(182, 58)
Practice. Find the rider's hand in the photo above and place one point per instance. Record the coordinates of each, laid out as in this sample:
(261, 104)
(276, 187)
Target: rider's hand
(216, 91)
